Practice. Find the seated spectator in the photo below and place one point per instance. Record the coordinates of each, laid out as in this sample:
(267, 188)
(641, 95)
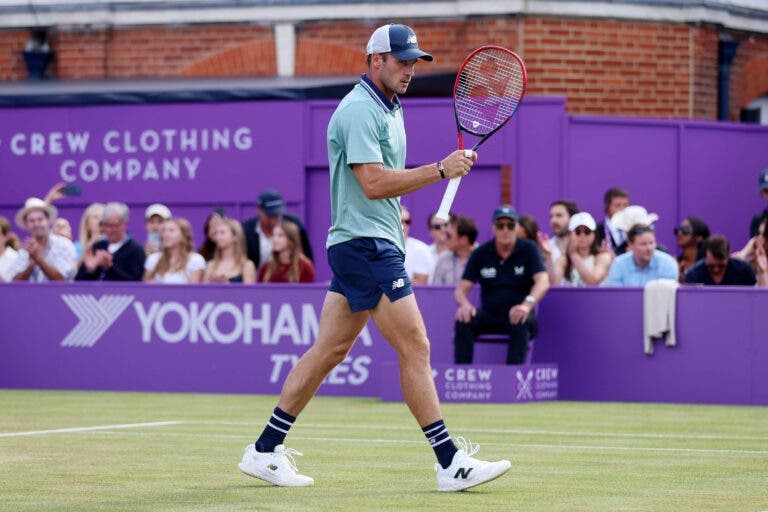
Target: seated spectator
(642, 262)
(208, 248)
(512, 281)
(117, 256)
(560, 213)
(45, 255)
(583, 263)
(62, 227)
(614, 201)
(760, 217)
(717, 268)
(258, 230)
(9, 245)
(90, 227)
(230, 263)
(288, 263)
(418, 258)
(690, 234)
(177, 263)
(460, 237)
(755, 252)
(437, 231)
(155, 216)
(528, 228)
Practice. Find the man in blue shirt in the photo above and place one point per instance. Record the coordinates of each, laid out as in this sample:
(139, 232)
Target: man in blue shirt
(366, 153)
(512, 281)
(642, 262)
(718, 268)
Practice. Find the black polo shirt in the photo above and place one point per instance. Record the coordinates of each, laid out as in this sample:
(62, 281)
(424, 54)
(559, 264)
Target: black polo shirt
(737, 273)
(503, 283)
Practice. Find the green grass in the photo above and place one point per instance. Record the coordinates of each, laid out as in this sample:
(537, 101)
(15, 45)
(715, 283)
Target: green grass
(367, 455)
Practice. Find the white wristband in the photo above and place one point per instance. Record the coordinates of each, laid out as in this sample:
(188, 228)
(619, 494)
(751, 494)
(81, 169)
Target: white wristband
(530, 299)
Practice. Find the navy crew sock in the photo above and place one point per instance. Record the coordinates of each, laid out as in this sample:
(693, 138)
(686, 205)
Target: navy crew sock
(274, 433)
(441, 442)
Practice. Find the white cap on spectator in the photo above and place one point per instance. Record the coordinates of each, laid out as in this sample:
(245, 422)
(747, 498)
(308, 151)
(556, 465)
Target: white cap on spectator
(631, 216)
(582, 219)
(158, 209)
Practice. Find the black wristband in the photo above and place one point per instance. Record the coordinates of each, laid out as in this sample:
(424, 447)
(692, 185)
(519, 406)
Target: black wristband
(441, 169)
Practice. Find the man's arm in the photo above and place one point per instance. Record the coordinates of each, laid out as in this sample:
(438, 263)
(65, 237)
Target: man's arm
(519, 312)
(380, 183)
(466, 310)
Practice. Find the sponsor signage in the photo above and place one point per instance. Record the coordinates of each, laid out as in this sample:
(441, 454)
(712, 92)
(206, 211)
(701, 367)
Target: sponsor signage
(480, 383)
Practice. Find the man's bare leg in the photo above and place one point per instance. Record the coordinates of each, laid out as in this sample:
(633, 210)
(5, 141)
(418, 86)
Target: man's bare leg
(401, 324)
(337, 332)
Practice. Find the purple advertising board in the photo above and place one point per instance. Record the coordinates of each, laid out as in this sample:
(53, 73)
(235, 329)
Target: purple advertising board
(192, 338)
(480, 383)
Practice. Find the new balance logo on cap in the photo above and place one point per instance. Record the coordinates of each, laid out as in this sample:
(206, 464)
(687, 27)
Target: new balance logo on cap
(412, 39)
(399, 40)
(463, 473)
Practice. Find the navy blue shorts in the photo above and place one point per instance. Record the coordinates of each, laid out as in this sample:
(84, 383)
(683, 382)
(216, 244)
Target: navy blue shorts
(365, 268)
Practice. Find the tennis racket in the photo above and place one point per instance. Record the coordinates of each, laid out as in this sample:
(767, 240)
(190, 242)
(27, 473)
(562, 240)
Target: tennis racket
(489, 87)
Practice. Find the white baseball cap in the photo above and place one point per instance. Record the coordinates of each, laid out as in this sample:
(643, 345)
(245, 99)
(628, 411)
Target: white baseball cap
(631, 216)
(158, 209)
(582, 219)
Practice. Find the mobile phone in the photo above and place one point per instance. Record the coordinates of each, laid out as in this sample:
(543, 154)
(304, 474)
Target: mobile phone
(70, 190)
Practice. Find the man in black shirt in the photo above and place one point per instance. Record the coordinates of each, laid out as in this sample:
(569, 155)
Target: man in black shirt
(512, 281)
(717, 268)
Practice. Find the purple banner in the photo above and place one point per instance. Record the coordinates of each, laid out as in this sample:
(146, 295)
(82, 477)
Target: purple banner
(196, 338)
(185, 153)
(480, 383)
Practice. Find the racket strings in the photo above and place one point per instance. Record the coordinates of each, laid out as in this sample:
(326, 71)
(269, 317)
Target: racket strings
(490, 87)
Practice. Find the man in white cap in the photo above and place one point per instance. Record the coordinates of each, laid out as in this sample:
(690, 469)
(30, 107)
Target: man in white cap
(154, 216)
(366, 153)
(45, 256)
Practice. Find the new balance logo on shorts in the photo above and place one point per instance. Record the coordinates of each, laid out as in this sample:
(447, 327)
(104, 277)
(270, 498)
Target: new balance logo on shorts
(399, 283)
(463, 473)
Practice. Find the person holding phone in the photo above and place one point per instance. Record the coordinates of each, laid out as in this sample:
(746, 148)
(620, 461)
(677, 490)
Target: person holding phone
(155, 215)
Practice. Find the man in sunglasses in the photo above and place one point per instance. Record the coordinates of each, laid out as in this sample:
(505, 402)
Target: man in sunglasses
(512, 281)
(718, 268)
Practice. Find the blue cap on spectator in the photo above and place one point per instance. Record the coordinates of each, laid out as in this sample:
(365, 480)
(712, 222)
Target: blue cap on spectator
(399, 40)
(271, 202)
(505, 211)
(764, 180)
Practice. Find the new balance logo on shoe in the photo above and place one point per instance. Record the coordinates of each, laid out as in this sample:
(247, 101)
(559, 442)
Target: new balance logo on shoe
(463, 473)
(272, 467)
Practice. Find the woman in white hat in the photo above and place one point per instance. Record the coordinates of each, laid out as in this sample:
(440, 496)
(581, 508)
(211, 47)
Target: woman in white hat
(583, 263)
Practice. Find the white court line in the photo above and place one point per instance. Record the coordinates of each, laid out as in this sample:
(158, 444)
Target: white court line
(89, 429)
(504, 431)
(708, 451)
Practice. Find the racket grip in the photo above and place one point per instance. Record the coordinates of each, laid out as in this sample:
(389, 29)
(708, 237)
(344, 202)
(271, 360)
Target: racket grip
(448, 197)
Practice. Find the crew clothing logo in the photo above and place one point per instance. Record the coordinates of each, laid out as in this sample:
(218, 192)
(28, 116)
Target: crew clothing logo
(519, 270)
(95, 317)
(524, 390)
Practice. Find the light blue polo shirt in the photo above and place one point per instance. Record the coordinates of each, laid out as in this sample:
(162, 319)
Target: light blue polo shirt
(624, 271)
(365, 128)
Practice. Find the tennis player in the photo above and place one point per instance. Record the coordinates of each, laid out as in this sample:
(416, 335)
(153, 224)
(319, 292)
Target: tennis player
(366, 152)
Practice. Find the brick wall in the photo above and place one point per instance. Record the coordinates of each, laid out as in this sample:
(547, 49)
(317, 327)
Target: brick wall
(602, 66)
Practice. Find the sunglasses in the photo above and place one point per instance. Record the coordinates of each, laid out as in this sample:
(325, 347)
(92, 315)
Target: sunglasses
(582, 231)
(501, 225)
(439, 226)
(683, 230)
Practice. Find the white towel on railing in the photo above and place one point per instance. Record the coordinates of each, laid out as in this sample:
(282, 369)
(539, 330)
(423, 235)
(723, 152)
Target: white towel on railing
(659, 312)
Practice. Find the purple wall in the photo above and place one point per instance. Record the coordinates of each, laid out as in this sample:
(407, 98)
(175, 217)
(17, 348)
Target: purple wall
(674, 168)
(243, 339)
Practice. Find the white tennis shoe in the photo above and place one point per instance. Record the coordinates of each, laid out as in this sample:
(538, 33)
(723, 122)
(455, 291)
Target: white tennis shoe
(466, 471)
(278, 467)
